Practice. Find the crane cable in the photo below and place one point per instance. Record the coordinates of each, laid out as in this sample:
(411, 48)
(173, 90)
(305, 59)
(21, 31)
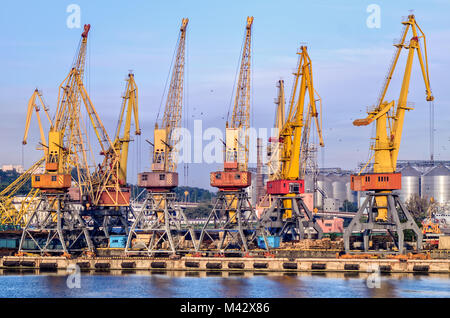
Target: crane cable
(186, 107)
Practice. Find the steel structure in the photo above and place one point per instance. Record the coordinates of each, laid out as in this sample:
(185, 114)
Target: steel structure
(385, 211)
(160, 221)
(233, 219)
(288, 216)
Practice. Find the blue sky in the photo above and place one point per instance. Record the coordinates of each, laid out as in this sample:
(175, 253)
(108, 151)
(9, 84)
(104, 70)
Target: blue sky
(349, 59)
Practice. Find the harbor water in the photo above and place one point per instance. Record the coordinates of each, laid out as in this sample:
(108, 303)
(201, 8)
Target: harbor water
(33, 284)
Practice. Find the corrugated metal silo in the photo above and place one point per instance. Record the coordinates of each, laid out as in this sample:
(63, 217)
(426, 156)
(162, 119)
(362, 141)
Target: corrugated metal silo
(324, 183)
(351, 195)
(309, 184)
(410, 183)
(339, 190)
(436, 184)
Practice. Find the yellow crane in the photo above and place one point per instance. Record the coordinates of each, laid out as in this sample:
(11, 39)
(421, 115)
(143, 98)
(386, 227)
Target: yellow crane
(110, 205)
(110, 178)
(160, 218)
(232, 212)
(288, 212)
(389, 118)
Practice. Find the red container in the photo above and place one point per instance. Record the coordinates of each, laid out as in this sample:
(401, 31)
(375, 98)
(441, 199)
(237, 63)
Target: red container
(376, 181)
(285, 186)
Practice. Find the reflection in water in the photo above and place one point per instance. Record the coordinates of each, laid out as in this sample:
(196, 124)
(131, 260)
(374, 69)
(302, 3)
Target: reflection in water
(286, 286)
(220, 284)
(161, 285)
(232, 287)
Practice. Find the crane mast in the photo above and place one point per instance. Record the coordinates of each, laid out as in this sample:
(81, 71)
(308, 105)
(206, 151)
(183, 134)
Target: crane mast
(274, 145)
(389, 119)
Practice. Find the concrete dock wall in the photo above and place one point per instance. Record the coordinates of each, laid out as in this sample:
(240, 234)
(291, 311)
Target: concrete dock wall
(231, 264)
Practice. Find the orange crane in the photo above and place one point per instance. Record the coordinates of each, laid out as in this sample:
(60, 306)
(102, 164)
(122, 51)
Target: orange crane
(288, 213)
(385, 211)
(160, 219)
(232, 213)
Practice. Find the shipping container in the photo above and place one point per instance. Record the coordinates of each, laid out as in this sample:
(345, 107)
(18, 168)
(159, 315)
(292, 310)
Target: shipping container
(118, 241)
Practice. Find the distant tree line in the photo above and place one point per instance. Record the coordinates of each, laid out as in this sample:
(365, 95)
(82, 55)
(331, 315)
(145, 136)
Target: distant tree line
(7, 177)
(194, 194)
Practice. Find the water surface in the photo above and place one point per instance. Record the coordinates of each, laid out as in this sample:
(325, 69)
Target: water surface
(33, 284)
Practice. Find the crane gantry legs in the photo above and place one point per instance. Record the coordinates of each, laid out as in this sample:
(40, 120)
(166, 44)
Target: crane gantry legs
(232, 224)
(297, 224)
(160, 226)
(399, 220)
(55, 226)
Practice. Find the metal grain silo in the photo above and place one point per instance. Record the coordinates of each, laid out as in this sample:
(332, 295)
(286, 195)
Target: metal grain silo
(323, 183)
(309, 184)
(350, 195)
(339, 190)
(410, 183)
(436, 184)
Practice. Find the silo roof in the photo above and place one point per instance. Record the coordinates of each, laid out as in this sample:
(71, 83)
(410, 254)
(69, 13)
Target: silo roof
(409, 171)
(440, 170)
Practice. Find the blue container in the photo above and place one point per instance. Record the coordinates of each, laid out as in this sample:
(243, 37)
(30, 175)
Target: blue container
(8, 243)
(118, 241)
(273, 241)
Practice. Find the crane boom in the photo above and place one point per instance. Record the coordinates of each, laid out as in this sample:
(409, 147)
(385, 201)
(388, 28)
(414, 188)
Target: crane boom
(111, 176)
(237, 141)
(166, 137)
(130, 105)
(295, 132)
(32, 105)
(288, 212)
